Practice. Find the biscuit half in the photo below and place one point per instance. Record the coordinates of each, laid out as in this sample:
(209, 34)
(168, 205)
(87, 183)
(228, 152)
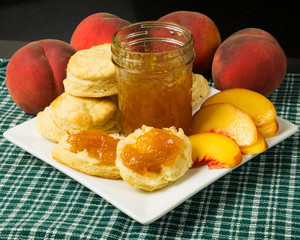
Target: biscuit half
(65, 152)
(153, 180)
(91, 73)
(200, 88)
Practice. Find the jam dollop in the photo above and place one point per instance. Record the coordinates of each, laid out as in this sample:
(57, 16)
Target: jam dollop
(97, 143)
(151, 150)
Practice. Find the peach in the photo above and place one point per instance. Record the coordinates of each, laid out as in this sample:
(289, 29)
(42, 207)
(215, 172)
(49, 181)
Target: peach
(206, 35)
(227, 119)
(249, 60)
(35, 73)
(218, 150)
(260, 108)
(96, 29)
(269, 130)
(258, 147)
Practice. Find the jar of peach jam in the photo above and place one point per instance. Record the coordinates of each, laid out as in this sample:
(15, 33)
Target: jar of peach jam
(153, 62)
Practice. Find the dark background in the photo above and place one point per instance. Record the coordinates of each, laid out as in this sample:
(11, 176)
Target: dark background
(39, 19)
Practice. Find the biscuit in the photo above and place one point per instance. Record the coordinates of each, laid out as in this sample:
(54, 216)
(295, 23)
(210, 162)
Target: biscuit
(200, 88)
(46, 126)
(91, 151)
(76, 113)
(153, 177)
(91, 73)
(68, 114)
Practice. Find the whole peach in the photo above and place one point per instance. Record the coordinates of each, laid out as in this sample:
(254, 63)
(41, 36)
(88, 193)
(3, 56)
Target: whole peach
(35, 73)
(206, 35)
(95, 30)
(251, 61)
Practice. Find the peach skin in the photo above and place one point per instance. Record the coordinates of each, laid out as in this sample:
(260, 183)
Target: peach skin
(249, 60)
(35, 73)
(95, 30)
(254, 31)
(218, 150)
(269, 130)
(206, 35)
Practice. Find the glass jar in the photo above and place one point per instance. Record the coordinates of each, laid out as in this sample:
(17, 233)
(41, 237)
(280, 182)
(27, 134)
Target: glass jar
(153, 62)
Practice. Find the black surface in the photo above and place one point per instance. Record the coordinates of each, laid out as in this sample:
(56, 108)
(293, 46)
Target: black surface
(29, 20)
(280, 18)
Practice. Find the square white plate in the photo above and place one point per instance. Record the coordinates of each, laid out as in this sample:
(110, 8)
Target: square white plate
(144, 207)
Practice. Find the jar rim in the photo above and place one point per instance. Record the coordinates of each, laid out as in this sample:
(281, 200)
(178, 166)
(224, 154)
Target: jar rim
(117, 42)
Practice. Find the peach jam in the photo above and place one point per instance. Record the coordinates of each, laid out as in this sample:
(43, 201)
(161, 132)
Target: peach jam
(153, 62)
(151, 150)
(97, 143)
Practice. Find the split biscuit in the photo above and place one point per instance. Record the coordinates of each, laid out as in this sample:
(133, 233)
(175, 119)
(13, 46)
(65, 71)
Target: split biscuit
(164, 172)
(90, 151)
(200, 88)
(91, 73)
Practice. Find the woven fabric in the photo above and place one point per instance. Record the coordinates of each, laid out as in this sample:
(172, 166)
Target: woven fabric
(259, 200)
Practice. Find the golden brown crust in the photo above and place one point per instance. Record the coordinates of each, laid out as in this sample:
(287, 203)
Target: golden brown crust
(155, 180)
(46, 126)
(68, 114)
(90, 88)
(75, 113)
(91, 73)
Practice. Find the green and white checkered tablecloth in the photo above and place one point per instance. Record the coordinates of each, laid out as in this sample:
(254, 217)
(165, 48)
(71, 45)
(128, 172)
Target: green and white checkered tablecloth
(259, 200)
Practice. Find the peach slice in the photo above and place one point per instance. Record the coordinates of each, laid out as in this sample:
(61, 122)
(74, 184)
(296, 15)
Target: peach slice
(218, 150)
(227, 119)
(260, 108)
(258, 147)
(269, 130)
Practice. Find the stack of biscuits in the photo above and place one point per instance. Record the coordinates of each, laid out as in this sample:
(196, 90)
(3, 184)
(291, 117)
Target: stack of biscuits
(88, 104)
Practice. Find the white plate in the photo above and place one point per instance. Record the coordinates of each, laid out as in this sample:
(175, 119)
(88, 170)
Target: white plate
(144, 207)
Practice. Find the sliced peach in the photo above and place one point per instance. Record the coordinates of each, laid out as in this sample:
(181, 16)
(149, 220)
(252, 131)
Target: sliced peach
(218, 150)
(260, 108)
(258, 147)
(227, 119)
(269, 130)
